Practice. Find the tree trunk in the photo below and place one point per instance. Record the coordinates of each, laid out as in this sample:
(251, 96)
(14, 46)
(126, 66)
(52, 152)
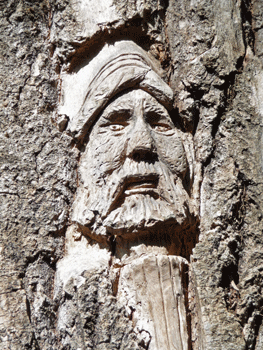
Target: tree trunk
(67, 284)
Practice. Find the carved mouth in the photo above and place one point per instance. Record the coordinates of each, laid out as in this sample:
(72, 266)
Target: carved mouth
(135, 184)
(141, 184)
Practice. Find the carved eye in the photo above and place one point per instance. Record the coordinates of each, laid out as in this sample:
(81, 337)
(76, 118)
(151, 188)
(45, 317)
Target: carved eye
(116, 127)
(162, 127)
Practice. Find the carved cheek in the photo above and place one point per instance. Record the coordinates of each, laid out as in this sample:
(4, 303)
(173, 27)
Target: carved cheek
(106, 153)
(171, 151)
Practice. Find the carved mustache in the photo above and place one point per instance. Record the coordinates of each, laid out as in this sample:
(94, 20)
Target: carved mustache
(135, 176)
(134, 172)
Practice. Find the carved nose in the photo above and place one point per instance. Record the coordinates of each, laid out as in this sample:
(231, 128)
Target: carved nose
(141, 146)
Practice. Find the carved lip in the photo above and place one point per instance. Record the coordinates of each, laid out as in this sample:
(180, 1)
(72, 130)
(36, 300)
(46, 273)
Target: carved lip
(141, 184)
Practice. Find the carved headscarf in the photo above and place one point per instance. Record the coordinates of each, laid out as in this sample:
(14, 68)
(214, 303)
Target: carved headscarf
(116, 68)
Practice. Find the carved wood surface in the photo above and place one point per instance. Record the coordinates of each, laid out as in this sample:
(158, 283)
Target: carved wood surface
(131, 174)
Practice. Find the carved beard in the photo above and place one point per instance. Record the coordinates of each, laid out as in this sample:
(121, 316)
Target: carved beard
(116, 205)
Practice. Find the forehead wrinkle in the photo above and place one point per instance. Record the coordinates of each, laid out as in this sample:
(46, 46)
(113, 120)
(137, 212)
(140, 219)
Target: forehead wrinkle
(125, 99)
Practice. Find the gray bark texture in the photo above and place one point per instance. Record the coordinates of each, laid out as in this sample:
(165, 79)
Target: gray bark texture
(211, 56)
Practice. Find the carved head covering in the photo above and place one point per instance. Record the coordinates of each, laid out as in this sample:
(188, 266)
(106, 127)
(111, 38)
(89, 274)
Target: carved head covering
(117, 67)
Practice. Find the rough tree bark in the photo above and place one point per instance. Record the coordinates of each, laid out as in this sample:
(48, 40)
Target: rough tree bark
(211, 55)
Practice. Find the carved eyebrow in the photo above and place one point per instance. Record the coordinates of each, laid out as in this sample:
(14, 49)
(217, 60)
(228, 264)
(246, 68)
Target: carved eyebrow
(118, 105)
(155, 108)
(157, 113)
(114, 114)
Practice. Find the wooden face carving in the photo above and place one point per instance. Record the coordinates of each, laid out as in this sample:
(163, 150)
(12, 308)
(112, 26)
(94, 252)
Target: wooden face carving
(133, 169)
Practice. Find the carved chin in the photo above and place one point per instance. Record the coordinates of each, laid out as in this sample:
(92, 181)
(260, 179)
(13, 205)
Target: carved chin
(142, 213)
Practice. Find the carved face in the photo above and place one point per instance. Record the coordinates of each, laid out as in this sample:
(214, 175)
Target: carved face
(133, 168)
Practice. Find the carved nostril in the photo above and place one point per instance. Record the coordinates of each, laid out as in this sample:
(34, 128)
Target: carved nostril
(145, 156)
(137, 156)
